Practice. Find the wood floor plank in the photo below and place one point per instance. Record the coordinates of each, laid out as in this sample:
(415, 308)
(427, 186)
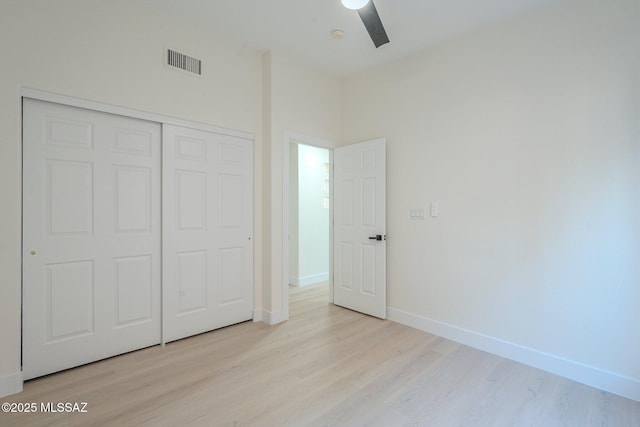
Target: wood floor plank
(326, 366)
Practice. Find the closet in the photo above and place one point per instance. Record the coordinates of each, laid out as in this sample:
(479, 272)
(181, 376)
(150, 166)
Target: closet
(135, 233)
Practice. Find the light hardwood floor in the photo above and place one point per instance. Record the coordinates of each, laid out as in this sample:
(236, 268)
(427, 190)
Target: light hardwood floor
(326, 366)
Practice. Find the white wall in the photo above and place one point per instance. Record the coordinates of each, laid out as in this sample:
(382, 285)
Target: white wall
(528, 134)
(301, 101)
(110, 52)
(311, 225)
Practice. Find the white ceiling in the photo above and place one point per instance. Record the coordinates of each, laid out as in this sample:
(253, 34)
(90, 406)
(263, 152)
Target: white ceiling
(302, 29)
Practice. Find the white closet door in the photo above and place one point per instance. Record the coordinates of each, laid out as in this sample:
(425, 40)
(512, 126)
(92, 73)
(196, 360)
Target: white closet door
(207, 213)
(91, 236)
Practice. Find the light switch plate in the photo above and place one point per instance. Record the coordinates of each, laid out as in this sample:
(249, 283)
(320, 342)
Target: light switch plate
(416, 214)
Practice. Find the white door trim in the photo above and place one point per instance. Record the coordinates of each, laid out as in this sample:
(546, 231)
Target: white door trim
(288, 139)
(41, 95)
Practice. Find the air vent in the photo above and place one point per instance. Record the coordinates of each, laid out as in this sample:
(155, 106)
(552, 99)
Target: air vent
(184, 62)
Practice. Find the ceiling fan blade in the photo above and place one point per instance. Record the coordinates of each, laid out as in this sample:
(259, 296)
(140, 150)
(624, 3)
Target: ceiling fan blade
(373, 24)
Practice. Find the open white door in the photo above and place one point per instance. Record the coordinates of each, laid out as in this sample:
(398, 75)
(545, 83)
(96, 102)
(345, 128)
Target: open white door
(360, 227)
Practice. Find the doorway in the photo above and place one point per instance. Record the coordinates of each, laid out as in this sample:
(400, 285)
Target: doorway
(309, 205)
(309, 216)
(307, 211)
(360, 198)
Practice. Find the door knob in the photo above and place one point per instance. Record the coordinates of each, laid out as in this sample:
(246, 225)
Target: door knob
(376, 237)
(33, 252)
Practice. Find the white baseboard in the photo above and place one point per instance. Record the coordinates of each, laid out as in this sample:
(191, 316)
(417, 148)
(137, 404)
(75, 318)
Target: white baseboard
(590, 375)
(258, 315)
(11, 384)
(268, 317)
(309, 280)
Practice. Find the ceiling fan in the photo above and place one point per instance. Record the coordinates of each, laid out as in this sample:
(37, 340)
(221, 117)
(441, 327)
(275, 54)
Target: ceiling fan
(370, 18)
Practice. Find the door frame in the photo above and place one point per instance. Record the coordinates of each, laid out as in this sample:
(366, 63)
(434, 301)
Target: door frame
(70, 101)
(300, 139)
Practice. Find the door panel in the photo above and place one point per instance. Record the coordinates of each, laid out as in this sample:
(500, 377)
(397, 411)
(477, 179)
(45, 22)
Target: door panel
(132, 199)
(69, 197)
(69, 300)
(359, 215)
(133, 289)
(91, 236)
(207, 231)
(191, 195)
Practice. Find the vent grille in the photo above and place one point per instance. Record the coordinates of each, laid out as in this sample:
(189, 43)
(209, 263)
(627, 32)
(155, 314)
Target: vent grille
(184, 62)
